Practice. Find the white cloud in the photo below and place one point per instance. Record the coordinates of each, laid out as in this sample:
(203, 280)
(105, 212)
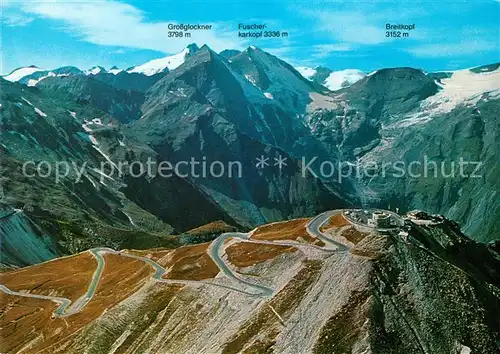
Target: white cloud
(15, 19)
(466, 47)
(112, 23)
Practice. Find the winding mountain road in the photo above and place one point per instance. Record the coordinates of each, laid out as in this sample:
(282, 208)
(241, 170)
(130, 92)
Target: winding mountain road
(63, 302)
(67, 307)
(215, 253)
(314, 229)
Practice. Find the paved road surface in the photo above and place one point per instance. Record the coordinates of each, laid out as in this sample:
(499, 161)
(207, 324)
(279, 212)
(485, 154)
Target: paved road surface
(313, 228)
(67, 308)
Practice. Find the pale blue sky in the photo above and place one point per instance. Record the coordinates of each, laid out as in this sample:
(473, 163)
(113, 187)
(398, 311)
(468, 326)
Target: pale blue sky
(337, 34)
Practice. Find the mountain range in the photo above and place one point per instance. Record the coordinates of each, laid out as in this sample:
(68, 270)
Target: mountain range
(237, 106)
(31, 75)
(311, 210)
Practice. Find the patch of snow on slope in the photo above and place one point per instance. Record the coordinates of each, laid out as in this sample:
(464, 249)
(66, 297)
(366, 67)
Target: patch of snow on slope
(156, 66)
(33, 82)
(269, 95)
(93, 140)
(464, 349)
(249, 78)
(40, 113)
(102, 174)
(129, 219)
(308, 73)
(25, 100)
(91, 181)
(105, 156)
(463, 87)
(18, 74)
(86, 128)
(339, 79)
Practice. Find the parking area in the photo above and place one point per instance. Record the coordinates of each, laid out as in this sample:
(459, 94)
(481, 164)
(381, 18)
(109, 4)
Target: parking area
(374, 218)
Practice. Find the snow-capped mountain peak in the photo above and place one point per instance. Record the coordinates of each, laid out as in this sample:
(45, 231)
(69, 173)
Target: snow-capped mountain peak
(19, 73)
(170, 62)
(95, 70)
(114, 70)
(343, 78)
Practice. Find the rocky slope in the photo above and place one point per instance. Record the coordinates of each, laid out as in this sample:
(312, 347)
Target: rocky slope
(77, 119)
(406, 117)
(202, 110)
(84, 207)
(239, 106)
(423, 288)
(406, 132)
(122, 104)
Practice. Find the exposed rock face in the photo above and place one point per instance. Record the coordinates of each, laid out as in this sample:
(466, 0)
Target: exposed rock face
(229, 53)
(123, 104)
(129, 81)
(466, 134)
(456, 124)
(276, 77)
(430, 290)
(23, 243)
(202, 110)
(354, 121)
(321, 74)
(391, 91)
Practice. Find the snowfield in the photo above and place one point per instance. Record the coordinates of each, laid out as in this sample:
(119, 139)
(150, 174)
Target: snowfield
(339, 79)
(156, 66)
(115, 71)
(463, 87)
(308, 73)
(40, 113)
(18, 74)
(336, 80)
